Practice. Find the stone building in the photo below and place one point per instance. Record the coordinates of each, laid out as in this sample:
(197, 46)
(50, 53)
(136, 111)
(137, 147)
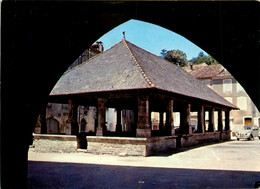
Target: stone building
(137, 85)
(221, 81)
(54, 119)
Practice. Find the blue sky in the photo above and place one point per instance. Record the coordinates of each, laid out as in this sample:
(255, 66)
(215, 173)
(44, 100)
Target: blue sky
(150, 37)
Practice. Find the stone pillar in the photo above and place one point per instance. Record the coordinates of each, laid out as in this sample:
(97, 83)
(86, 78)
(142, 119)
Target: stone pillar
(185, 119)
(161, 127)
(211, 120)
(201, 120)
(169, 119)
(72, 119)
(220, 121)
(227, 120)
(43, 120)
(118, 122)
(143, 123)
(101, 116)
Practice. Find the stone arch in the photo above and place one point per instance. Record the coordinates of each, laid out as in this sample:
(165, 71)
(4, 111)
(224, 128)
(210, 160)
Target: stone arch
(98, 20)
(53, 126)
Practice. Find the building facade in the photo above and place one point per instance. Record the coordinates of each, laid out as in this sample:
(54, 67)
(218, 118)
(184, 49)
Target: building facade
(54, 117)
(221, 81)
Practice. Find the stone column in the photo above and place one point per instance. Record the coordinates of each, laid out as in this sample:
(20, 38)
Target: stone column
(101, 116)
(43, 120)
(169, 119)
(143, 123)
(227, 120)
(161, 127)
(220, 121)
(211, 120)
(118, 122)
(73, 115)
(185, 119)
(201, 119)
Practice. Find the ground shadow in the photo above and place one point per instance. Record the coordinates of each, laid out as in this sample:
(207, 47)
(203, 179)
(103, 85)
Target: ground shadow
(76, 175)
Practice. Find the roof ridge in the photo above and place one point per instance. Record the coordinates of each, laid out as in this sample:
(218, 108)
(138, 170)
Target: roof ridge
(90, 59)
(147, 79)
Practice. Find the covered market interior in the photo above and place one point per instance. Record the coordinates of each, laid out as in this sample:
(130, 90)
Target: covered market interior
(127, 77)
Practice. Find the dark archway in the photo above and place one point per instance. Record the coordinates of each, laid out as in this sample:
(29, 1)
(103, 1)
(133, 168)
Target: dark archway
(52, 126)
(40, 40)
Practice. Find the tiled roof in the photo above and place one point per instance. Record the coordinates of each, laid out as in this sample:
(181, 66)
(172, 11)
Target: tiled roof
(203, 71)
(126, 66)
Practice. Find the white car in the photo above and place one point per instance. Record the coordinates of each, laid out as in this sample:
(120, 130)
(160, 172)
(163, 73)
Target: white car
(248, 132)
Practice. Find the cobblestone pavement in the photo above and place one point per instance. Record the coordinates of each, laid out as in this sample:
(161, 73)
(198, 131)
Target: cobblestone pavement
(233, 164)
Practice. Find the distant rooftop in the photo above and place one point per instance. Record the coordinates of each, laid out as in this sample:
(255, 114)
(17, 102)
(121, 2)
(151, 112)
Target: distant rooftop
(204, 71)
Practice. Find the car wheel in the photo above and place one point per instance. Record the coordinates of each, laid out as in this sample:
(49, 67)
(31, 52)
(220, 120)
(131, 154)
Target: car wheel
(259, 138)
(249, 138)
(252, 137)
(238, 139)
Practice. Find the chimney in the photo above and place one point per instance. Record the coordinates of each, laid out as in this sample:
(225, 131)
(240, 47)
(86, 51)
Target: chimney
(123, 34)
(100, 46)
(190, 65)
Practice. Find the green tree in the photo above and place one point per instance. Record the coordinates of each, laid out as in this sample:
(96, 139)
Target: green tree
(202, 58)
(177, 57)
(163, 53)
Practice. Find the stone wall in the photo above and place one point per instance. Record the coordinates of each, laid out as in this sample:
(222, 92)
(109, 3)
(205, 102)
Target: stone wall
(126, 146)
(226, 135)
(199, 138)
(54, 143)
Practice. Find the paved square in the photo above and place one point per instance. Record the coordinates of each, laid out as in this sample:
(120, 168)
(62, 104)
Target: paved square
(233, 164)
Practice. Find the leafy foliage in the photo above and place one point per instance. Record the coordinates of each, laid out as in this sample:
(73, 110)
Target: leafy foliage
(175, 56)
(202, 58)
(179, 58)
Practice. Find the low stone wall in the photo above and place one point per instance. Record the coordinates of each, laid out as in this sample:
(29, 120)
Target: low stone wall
(226, 135)
(129, 146)
(55, 143)
(126, 146)
(201, 138)
(104, 145)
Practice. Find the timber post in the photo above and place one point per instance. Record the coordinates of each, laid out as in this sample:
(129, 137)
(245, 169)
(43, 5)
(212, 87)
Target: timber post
(185, 119)
(169, 119)
(101, 116)
(201, 119)
(118, 122)
(143, 124)
(211, 120)
(73, 113)
(220, 121)
(227, 120)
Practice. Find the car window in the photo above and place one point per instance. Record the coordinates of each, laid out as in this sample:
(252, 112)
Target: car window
(247, 128)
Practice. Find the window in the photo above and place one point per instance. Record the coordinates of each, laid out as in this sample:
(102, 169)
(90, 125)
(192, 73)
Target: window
(241, 103)
(227, 85)
(248, 121)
